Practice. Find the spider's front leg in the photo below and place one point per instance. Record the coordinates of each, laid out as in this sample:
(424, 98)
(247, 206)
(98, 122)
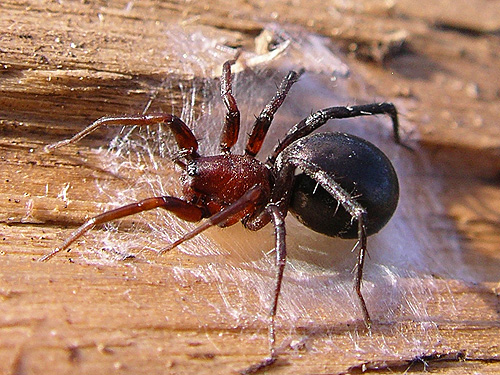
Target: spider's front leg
(184, 210)
(231, 126)
(184, 137)
(247, 201)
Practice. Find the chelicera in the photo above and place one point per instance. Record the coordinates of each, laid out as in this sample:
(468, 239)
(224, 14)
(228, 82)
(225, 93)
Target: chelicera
(334, 183)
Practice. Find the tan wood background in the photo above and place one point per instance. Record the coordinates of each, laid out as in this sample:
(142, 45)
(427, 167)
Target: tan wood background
(64, 64)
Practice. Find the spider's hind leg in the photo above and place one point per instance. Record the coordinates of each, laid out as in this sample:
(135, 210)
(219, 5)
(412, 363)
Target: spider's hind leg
(321, 117)
(281, 195)
(278, 218)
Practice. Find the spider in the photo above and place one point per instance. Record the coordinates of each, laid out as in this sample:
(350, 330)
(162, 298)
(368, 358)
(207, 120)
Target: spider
(334, 183)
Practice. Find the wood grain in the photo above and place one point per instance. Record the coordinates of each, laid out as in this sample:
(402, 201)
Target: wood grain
(65, 64)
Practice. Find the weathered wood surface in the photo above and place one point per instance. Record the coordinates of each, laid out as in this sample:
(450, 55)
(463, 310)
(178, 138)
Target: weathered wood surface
(65, 64)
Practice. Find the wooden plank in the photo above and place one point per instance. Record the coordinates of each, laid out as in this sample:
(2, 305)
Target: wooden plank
(201, 310)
